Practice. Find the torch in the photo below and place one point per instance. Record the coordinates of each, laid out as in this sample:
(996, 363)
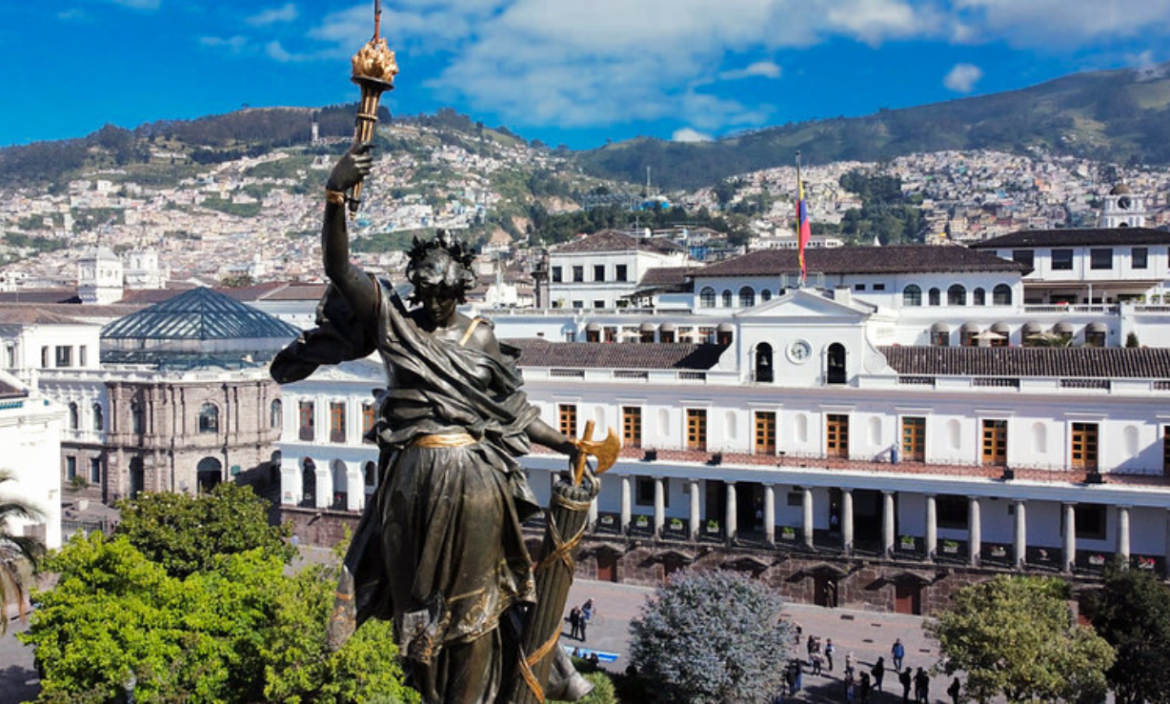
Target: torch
(374, 69)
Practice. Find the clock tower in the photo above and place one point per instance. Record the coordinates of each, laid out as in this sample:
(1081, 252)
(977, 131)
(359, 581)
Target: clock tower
(1123, 208)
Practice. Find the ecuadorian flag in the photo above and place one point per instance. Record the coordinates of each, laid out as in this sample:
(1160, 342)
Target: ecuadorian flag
(803, 229)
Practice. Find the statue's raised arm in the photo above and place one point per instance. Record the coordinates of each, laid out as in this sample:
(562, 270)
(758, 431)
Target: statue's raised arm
(359, 290)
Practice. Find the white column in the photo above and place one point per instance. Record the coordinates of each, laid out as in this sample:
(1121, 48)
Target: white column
(659, 506)
(974, 530)
(806, 518)
(732, 511)
(887, 523)
(1070, 538)
(931, 527)
(1123, 533)
(847, 520)
(694, 527)
(355, 488)
(324, 495)
(1020, 542)
(770, 513)
(625, 517)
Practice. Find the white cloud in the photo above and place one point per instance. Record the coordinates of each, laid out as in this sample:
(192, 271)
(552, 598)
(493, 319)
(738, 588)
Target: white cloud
(962, 78)
(1066, 23)
(285, 13)
(234, 44)
(687, 134)
(761, 69)
(138, 4)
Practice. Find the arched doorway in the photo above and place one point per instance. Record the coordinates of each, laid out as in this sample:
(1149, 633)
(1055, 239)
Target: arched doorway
(209, 473)
(308, 482)
(764, 372)
(340, 485)
(137, 477)
(836, 364)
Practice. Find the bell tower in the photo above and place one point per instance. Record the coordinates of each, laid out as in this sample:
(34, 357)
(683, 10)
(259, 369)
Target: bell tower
(1123, 208)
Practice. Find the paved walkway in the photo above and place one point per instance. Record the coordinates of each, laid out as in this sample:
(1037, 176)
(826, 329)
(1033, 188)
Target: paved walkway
(867, 634)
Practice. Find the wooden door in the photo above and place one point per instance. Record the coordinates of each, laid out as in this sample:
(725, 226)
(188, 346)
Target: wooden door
(837, 435)
(908, 598)
(914, 439)
(1084, 446)
(995, 442)
(606, 566)
(697, 429)
(765, 433)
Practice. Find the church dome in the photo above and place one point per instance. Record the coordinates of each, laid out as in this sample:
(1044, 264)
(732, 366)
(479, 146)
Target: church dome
(1120, 190)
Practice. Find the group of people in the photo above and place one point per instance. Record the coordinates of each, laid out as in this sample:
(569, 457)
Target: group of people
(859, 686)
(579, 617)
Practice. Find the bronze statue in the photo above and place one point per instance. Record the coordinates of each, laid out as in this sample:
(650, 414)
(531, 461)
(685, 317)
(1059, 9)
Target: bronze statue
(439, 547)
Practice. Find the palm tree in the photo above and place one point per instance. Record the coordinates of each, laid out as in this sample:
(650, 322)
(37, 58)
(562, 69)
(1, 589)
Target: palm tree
(15, 550)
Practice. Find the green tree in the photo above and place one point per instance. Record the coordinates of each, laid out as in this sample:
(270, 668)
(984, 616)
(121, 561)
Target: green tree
(187, 534)
(242, 631)
(711, 637)
(1014, 637)
(1132, 613)
(18, 553)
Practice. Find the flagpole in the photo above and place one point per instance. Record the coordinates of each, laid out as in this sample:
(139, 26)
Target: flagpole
(800, 219)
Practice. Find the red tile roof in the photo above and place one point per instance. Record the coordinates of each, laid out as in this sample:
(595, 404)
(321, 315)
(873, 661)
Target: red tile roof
(1076, 238)
(906, 259)
(1064, 362)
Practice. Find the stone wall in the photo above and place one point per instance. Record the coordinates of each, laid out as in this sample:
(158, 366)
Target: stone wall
(856, 583)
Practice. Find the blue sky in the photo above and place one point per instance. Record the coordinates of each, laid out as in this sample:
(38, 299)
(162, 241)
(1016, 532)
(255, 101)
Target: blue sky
(573, 72)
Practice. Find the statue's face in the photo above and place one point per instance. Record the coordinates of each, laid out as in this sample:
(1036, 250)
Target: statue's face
(437, 301)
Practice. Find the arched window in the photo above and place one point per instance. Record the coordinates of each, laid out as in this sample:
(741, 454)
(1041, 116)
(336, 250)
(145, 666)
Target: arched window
(137, 477)
(747, 297)
(1001, 295)
(137, 417)
(707, 297)
(979, 297)
(370, 472)
(74, 417)
(764, 363)
(99, 421)
(836, 364)
(726, 299)
(209, 418)
(956, 295)
(765, 295)
(309, 482)
(276, 414)
(912, 296)
(935, 297)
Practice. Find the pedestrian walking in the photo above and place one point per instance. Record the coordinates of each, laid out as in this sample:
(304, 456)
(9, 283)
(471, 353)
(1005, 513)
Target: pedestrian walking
(864, 688)
(879, 673)
(850, 664)
(829, 649)
(816, 663)
(898, 651)
(954, 690)
(850, 689)
(905, 678)
(922, 686)
(809, 644)
(582, 622)
(575, 623)
(587, 609)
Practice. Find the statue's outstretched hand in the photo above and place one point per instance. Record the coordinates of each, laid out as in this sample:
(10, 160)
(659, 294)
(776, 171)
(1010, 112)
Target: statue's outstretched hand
(352, 168)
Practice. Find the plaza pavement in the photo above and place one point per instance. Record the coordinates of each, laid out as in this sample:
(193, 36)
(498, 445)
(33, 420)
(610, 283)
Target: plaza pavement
(867, 634)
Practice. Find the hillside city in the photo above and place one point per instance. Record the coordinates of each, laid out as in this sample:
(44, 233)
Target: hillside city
(259, 215)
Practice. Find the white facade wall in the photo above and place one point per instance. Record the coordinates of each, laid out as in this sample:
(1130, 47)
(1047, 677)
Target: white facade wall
(30, 433)
(35, 346)
(606, 292)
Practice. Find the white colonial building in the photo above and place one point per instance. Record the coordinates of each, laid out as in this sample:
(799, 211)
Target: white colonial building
(30, 433)
(603, 270)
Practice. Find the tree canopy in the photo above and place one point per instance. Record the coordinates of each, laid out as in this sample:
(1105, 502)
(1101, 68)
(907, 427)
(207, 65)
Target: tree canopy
(711, 637)
(187, 534)
(18, 554)
(1132, 613)
(1013, 637)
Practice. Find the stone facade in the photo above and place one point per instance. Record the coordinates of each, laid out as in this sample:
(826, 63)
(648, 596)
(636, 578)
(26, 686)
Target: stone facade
(154, 439)
(863, 583)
